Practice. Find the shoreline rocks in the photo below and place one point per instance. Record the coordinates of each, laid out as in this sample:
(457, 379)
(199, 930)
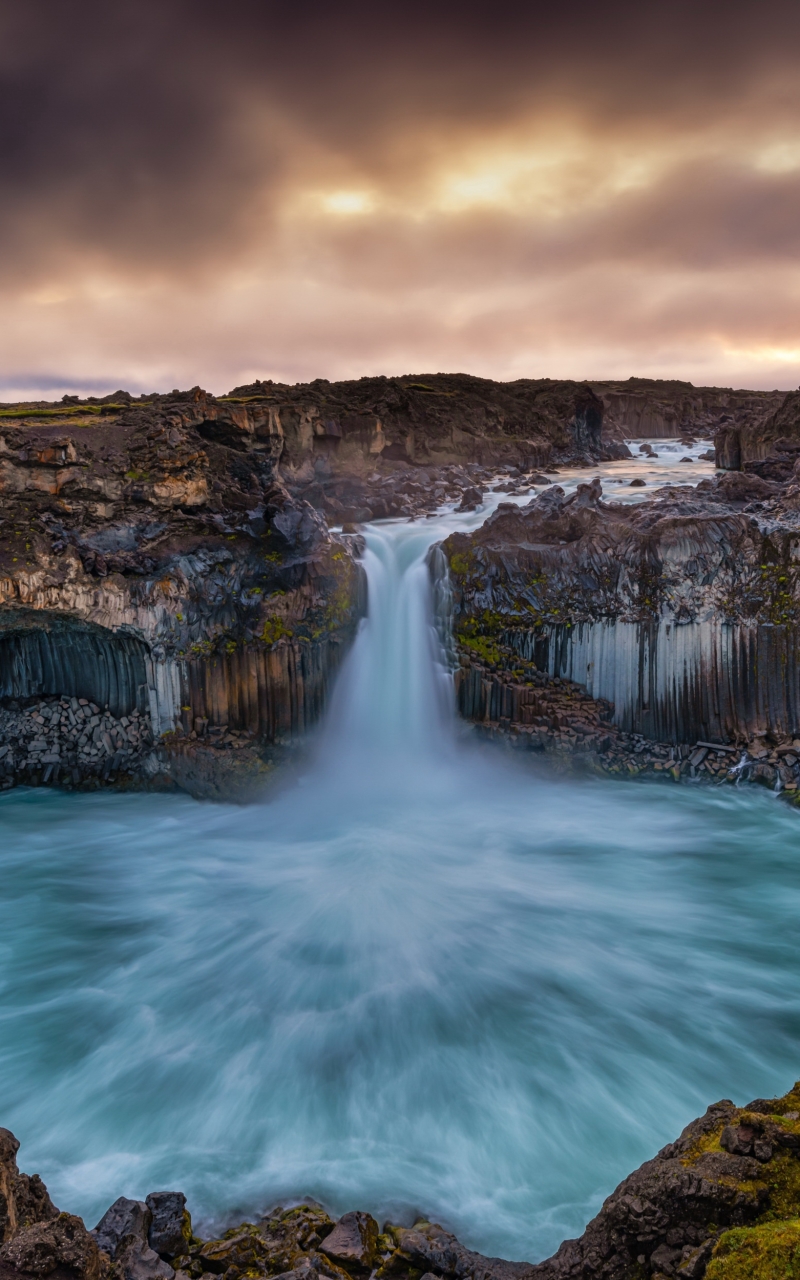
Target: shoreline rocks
(727, 1190)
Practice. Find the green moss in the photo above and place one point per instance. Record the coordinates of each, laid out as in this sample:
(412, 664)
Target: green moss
(770, 1251)
(460, 565)
(275, 629)
(63, 411)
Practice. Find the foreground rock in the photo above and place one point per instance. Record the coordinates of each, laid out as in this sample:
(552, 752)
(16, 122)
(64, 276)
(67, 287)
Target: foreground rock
(665, 634)
(722, 1198)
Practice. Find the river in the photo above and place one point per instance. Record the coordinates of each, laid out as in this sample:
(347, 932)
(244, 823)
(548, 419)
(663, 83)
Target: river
(423, 979)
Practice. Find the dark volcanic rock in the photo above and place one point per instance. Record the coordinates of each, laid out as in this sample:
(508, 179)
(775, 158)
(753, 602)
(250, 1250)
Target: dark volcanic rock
(135, 1260)
(154, 566)
(684, 611)
(23, 1197)
(171, 1227)
(126, 1218)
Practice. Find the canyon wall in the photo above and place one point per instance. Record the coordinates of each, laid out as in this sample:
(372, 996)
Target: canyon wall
(681, 612)
(642, 407)
(151, 562)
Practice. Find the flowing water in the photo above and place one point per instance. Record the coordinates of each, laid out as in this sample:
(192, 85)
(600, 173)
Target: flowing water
(423, 979)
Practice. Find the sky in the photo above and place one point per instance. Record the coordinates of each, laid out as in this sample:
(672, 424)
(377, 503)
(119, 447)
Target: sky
(198, 192)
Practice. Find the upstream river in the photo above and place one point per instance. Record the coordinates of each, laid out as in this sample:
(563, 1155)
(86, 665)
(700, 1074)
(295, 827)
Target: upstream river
(421, 980)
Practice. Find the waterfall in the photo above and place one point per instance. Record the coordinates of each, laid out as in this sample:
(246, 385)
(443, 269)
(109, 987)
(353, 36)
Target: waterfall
(395, 694)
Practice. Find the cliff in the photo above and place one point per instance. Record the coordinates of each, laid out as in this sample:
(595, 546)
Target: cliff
(159, 586)
(743, 445)
(641, 407)
(674, 620)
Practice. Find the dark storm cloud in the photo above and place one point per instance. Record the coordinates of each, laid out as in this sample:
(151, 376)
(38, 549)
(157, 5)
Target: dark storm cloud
(345, 187)
(131, 130)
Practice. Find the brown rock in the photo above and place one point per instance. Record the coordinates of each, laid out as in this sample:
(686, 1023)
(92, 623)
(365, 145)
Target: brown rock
(63, 1242)
(23, 1198)
(353, 1241)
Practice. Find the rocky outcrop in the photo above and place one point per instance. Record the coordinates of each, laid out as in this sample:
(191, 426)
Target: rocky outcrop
(681, 613)
(739, 444)
(672, 409)
(154, 568)
(697, 1201)
(429, 420)
(724, 1195)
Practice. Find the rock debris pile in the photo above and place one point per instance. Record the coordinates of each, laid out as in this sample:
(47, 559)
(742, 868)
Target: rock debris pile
(69, 741)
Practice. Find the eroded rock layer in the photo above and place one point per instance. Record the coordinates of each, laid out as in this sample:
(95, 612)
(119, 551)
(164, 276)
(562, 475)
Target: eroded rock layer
(680, 613)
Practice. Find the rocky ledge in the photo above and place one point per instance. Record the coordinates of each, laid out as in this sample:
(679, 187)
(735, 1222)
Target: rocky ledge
(660, 637)
(722, 1201)
(161, 594)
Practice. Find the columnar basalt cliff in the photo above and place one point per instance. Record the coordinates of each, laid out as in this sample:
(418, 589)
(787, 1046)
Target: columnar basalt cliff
(722, 1201)
(674, 621)
(153, 566)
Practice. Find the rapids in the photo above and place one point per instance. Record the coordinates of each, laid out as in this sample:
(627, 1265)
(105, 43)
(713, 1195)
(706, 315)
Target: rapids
(423, 979)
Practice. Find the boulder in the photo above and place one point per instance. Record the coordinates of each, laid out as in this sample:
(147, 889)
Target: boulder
(63, 1244)
(171, 1227)
(125, 1218)
(353, 1241)
(135, 1260)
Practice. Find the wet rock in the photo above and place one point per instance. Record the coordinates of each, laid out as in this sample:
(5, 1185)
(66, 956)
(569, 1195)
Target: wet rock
(244, 1249)
(429, 1248)
(353, 1241)
(637, 483)
(62, 1244)
(171, 1227)
(471, 499)
(135, 1260)
(125, 1219)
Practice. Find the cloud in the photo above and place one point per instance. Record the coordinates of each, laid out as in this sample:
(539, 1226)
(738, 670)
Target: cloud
(192, 192)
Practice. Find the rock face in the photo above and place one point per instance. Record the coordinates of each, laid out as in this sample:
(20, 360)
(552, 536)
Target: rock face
(740, 443)
(154, 571)
(430, 420)
(24, 1201)
(682, 612)
(672, 409)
